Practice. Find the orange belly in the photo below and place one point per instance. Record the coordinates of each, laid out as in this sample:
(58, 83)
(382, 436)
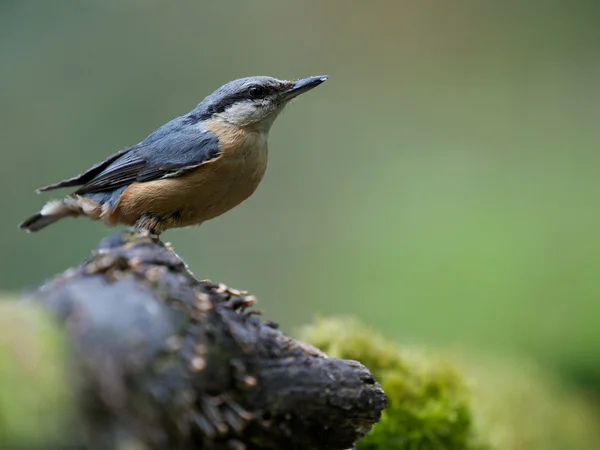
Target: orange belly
(202, 194)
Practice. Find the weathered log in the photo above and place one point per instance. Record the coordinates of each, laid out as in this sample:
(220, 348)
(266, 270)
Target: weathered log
(164, 361)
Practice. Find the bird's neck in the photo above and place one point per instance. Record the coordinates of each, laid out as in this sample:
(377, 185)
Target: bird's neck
(238, 139)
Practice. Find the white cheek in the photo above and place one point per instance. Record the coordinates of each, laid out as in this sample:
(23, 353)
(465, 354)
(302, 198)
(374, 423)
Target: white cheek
(244, 113)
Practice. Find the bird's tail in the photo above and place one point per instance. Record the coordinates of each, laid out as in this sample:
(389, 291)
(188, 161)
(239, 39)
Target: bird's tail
(53, 211)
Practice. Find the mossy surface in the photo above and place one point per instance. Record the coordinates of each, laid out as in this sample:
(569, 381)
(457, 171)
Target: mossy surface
(36, 404)
(451, 402)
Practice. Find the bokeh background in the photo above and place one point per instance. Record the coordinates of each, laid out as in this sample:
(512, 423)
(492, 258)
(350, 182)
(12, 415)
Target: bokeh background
(443, 185)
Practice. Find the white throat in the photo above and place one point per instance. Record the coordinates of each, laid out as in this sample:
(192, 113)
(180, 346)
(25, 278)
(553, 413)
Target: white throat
(250, 114)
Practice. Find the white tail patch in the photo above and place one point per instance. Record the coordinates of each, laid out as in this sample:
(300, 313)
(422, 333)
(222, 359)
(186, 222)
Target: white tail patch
(54, 207)
(55, 210)
(72, 206)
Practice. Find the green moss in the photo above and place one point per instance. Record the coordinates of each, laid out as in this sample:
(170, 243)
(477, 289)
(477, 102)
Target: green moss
(35, 392)
(457, 403)
(428, 401)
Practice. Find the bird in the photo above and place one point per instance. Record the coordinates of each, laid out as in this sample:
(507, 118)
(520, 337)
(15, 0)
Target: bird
(191, 169)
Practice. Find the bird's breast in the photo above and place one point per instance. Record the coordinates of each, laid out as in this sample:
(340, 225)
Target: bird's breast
(206, 192)
(231, 178)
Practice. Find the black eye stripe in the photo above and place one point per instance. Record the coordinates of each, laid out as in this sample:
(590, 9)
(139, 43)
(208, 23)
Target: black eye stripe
(226, 102)
(246, 94)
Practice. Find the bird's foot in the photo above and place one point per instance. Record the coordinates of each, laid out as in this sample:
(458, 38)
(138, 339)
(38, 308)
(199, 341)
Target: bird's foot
(146, 233)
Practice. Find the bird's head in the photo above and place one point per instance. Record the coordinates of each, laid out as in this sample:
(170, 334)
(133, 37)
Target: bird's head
(254, 101)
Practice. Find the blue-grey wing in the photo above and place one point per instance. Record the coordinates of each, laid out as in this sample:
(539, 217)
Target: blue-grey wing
(88, 174)
(172, 155)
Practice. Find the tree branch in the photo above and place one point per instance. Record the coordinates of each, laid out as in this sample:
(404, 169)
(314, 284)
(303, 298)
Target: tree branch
(162, 360)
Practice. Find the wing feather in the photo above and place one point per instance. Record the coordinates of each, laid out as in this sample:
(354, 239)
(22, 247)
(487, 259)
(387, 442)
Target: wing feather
(170, 151)
(88, 174)
(168, 157)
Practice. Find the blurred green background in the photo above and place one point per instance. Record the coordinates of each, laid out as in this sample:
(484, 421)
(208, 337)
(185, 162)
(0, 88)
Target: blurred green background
(443, 185)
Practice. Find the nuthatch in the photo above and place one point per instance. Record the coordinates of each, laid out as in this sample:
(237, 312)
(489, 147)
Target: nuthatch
(192, 169)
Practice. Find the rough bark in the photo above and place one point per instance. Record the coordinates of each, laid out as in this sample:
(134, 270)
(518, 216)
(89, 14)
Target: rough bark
(164, 361)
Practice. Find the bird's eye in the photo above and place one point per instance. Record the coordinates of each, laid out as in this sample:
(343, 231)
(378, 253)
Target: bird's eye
(256, 92)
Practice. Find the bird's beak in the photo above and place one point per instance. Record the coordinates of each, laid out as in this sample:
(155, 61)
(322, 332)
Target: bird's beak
(302, 86)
